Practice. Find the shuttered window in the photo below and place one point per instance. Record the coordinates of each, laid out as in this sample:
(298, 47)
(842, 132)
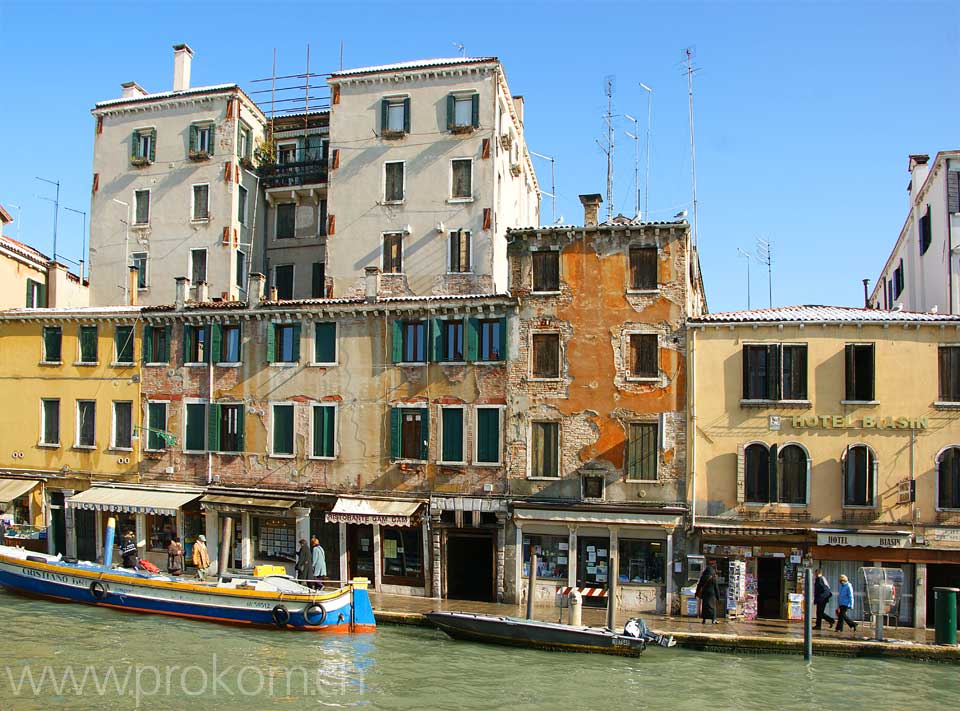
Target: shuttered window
(451, 432)
(141, 209)
(925, 231)
(123, 343)
(546, 355)
(50, 429)
(859, 474)
(395, 116)
(459, 251)
(792, 468)
(409, 433)
(488, 435)
(409, 341)
(324, 430)
(393, 253)
(794, 374)
(545, 450)
(226, 343)
(156, 424)
(775, 371)
(283, 343)
(859, 372)
(643, 451)
(462, 179)
(643, 268)
(143, 146)
(88, 344)
(644, 355)
(949, 357)
(282, 430)
(86, 423)
(759, 479)
(393, 181)
(491, 337)
(283, 281)
(198, 266)
(450, 340)
(140, 261)
(546, 270)
(123, 425)
(36, 294)
(948, 479)
(196, 343)
(201, 202)
(463, 111)
(52, 344)
(286, 221)
(226, 428)
(325, 342)
(318, 280)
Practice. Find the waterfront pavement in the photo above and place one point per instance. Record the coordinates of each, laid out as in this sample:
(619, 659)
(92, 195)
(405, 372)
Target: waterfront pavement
(755, 636)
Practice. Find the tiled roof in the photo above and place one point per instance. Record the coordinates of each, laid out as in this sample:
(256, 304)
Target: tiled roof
(198, 305)
(73, 311)
(415, 64)
(604, 225)
(24, 250)
(821, 314)
(385, 300)
(166, 95)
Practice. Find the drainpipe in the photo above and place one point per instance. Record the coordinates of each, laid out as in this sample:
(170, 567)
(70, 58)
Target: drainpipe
(949, 257)
(692, 434)
(210, 357)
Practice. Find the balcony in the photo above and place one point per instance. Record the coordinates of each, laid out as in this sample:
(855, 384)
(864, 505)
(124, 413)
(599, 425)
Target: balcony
(293, 174)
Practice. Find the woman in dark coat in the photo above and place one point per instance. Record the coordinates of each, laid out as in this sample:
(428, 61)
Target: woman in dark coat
(709, 593)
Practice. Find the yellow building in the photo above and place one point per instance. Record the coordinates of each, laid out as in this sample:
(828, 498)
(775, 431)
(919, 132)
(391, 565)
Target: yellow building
(830, 437)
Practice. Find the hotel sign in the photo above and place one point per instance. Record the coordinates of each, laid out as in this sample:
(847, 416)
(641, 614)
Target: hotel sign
(867, 422)
(867, 540)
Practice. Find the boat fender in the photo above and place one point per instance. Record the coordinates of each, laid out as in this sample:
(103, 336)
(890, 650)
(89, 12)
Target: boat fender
(281, 616)
(314, 614)
(36, 559)
(98, 589)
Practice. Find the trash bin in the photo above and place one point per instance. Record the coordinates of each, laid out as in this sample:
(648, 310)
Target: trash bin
(945, 615)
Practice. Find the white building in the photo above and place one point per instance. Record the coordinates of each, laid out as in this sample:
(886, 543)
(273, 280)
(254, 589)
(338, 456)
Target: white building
(922, 272)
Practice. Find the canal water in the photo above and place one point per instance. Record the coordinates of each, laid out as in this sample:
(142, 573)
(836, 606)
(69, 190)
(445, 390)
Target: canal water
(68, 656)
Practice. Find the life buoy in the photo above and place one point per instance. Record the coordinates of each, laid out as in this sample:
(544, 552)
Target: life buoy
(98, 589)
(281, 616)
(314, 615)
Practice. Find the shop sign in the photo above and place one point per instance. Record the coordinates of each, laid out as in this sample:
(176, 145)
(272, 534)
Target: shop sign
(868, 422)
(944, 535)
(867, 540)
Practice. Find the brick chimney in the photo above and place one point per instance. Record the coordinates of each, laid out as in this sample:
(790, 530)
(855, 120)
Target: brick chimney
(591, 208)
(182, 56)
(131, 90)
(183, 286)
(132, 285)
(372, 276)
(203, 291)
(255, 289)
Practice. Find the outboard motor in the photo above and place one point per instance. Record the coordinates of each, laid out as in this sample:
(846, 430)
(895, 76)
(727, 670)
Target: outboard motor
(637, 628)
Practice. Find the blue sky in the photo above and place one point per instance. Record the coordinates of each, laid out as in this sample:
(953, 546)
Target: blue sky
(805, 112)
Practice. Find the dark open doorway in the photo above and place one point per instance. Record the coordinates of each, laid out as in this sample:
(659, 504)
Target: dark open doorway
(58, 522)
(85, 529)
(769, 587)
(470, 566)
(360, 551)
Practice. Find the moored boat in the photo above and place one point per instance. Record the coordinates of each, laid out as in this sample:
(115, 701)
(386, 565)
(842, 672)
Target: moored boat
(272, 601)
(536, 634)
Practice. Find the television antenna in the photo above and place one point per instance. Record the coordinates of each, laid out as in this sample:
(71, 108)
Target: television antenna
(689, 54)
(746, 255)
(461, 48)
(764, 255)
(607, 148)
(553, 186)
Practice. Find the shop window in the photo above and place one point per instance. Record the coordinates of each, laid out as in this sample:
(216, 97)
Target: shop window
(275, 538)
(195, 427)
(52, 344)
(402, 550)
(156, 344)
(88, 344)
(196, 343)
(50, 427)
(226, 428)
(859, 372)
(123, 344)
(86, 423)
(448, 340)
(545, 450)
(644, 355)
(324, 431)
(546, 356)
(409, 341)
(593, 561)
(156, 426)
(552, 552)
(546, 270)
(282, 430)
(487, 435)
(283, 343)
(948, 479)
(859, 476)
(775, 371)
(643, 268)
(286, 227)
(124, 522)
(641, 561)
(409, 433)
(451, 435)
(228, 348)
(160, 530)
(949, 361)
(393, 253)
(325, 342)
(643, 451)
(122, 425)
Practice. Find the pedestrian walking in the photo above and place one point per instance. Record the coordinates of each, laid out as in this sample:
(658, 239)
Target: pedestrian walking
(128, 551)
(821, 596)
(201, 557)
(708, 591)
(845, 602)
(175, 556)
(302, 566)
(319, 564)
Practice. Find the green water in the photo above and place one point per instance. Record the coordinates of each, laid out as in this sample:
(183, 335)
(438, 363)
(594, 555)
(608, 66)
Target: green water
(155, 662)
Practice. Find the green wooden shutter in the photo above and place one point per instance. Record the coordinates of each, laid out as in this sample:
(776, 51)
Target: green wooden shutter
(241, 429)
(424, 432)
(323, 431)
(395, 416)
(451, 448)
(503, 339)
(271, 342)
(207, 355)
(29, 300)
(473, 339)
(451, 111)
(475, 110)
(396, 341)
(153, 145)
(188, 337)
(406, 115)
(195, 426)
(213, 138)
(384, 112)
(165, 354)
(147, 343)
(436, 340)
(741, 476)
(296, 343)
(325, 343)
(213, 428)
(134, 143)
(772, 471)
(216, 343)
(316, 287)
(42, 296)
(193, 138)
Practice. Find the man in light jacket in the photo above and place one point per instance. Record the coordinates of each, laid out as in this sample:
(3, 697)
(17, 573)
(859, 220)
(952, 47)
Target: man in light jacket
(319, 563)
(201, 558)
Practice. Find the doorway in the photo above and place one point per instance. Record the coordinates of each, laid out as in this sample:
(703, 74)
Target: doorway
(940, 576)
(360, 551)
(770, 587)
(58, 522)
(85, 530)
(470, 566)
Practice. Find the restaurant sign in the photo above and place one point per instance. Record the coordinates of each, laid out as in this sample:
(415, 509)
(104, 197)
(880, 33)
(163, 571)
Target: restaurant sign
(867, 540)
(867, 422)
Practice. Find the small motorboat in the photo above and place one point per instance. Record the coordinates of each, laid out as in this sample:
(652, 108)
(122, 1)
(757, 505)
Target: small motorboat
(518, 632)
(275, 601)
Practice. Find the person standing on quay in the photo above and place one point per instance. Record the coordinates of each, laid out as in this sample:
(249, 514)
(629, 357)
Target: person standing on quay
(302, 565)
(709, 593)
(845, 602)
(201, 558)
(319, 564)
(174, 556)
(821, 596)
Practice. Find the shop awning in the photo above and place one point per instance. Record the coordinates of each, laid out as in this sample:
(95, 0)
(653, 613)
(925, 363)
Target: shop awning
(146, 501)
(11, 489)
(385, 513)
(600, 518)
(225, 502)
(719, 529)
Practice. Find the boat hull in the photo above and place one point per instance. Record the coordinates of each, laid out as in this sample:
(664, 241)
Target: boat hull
(537, 635)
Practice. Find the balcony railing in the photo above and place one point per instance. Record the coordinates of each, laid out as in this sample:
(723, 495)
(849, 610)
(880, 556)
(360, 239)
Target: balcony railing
(293, 174)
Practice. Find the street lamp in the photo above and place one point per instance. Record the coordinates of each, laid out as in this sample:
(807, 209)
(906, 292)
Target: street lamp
(126, 247)
(83, 240)
(553, 188)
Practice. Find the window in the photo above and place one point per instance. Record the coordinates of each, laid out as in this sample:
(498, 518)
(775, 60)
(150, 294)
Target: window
(226, 428)
(643, 451)
(50, 422)
(196, 427)
(759, 484)
(409, 433)
(591, 487)
(642, 561)
(644, 355)
(393, 181)
(775, 371)
(242, 205)
(460, 251)
(772, 476)
(122, 425)
(643, 268)
(201, 202)
(36, 294)
(450, 341)
(545, 450)
(487, 436)
(546, 355)
(52, 344)
(286, 220)
(395, 116)
(156, 344)
(552, 555)
(201, 140)
(241, 270)
(393, 253)
(925, 231)
(86, 423)
(283, 343)
(948, 479)
(229, 335)
(139, 260)
(492, 339)
(141, 207)
(324, 431)
(949, 357)
(156, 426)
(283, 280)
(123, 344)
(318, 280)
(161, 530)
(792, 468)
(143, 146)
(244, 143)
(451, 435)
(409, 341)
(88, 344)
(198, 266)
(287, 153)
(196, 343)
(859, 370)
(282, 430)
(325, 342)
(898, 282)
(859, 476)
(546, 270)
(463, 111)
(461, 187)
(323, 220)
(402, 552)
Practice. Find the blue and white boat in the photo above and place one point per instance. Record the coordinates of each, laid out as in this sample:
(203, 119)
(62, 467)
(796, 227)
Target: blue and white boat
(275, 601)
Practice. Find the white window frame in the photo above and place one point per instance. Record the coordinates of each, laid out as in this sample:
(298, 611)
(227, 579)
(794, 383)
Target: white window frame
(146, 269)
(560, 355)
(206, 426)
(205, 127)
(284, 145)
(116, 350)
(476, 432)
(336, 430)
(313, 345)
(403, 182)
(293, 279)
(463, 96)
(76, 433)
(936, 472)
(276, 221)
(43, 347)
(206, 264)
(396, 100)
(945, 404)
(244, 140)
(243, 198)
(145, 138)
(453, 198)
(113, 426)
(875, 474)
(145, 433)
(193, 203)
(270, 453)
(383, 251)
(149, 193)
(80, 361)
(43, 429)
(627, 352)
(463, 435)
(450, 234)
(241, 421)
(530, 424)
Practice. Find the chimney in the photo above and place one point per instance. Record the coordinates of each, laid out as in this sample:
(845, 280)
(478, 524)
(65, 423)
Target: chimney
(518, 107)
(132, 285)
(56, 283)
(255, 289)
(591, 207)
(273, 293)
(919, 168)
(203, 292)
(182, 55)
(183, 286)
(372, 283)
(131, 90)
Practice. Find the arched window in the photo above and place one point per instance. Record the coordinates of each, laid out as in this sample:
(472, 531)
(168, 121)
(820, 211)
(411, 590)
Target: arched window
(859, 476)
(948, 479)
(793, 467)
(757, 474)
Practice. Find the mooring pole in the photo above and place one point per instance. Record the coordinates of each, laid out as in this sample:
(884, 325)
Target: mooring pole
(808, 614)
(612, 590)
(226, 546)
(531, 583)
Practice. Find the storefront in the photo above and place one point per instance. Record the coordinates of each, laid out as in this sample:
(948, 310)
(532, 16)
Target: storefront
(23, 516)
(468, 537)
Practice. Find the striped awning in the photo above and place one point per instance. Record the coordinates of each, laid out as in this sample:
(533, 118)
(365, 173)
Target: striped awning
(147, 501)
(11, 489)
(369, 511)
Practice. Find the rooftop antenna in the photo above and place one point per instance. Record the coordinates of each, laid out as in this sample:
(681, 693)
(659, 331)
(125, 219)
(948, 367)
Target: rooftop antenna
(19, 221)
(646, 180)
(553, 186)
(56, 211)
(83, 240)
(636, 161)
(689, 54)
(608, 149)
(765, 256)
(341, 55)
(461, 48)
(746, 255)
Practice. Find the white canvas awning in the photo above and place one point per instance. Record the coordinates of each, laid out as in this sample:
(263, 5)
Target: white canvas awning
(600, 518)
(368, 511)
(238, 504)
(146, 501)
(11, 489)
